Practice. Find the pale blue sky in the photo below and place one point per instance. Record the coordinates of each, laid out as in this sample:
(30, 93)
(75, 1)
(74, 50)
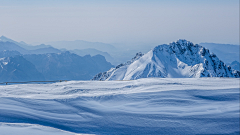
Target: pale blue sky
(121, 21)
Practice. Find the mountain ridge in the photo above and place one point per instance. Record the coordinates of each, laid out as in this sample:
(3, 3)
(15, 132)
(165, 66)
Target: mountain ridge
(68, 66)
(23, 48)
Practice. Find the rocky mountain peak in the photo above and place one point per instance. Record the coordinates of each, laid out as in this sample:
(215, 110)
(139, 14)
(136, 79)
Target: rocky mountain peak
(178, 59)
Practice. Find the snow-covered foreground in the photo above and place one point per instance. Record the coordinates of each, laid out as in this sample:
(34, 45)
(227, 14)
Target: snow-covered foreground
(29, 129)
(144, 106)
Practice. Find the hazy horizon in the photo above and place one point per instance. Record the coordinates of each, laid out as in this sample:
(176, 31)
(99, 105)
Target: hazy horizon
(121, 22)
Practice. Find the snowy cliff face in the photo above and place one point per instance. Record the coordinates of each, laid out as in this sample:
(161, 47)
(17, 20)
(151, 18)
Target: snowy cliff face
(180, 59)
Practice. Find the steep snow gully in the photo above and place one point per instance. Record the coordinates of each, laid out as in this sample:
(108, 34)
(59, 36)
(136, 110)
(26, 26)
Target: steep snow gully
(144, 106)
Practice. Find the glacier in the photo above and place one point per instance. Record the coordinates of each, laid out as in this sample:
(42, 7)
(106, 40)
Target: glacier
(143, 106)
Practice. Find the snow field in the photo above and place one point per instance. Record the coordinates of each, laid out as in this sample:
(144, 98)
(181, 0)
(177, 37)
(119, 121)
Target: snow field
(144, 106)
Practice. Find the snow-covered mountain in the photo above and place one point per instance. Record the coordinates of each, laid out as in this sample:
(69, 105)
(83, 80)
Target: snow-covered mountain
(180, 59)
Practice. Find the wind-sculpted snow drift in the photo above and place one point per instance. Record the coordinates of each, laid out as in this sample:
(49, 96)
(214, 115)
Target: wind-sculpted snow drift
(145, 106)
(180, 59)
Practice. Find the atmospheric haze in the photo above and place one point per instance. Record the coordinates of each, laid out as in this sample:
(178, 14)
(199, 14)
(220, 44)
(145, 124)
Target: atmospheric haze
(121, 22)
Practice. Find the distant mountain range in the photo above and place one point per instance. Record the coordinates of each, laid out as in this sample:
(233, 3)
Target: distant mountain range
(22, 62)
(80, 44)
(14, 47)
(80, 47)
(68, 66)
(93, 52)
(10, 46)
(7, 53)
(179, 59)
(23, 44)
(48, 67)
(235, 65)
(226, 52)
(23, 48)
(39, 63)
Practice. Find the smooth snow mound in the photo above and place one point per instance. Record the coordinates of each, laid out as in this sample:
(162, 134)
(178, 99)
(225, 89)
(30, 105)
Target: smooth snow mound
(144, 106)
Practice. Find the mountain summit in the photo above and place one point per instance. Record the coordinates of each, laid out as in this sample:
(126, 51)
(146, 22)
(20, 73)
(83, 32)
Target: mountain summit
(180, 59)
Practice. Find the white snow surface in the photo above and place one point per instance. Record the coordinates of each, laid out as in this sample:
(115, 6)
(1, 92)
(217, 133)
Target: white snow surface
(143, 106)
(30, 129)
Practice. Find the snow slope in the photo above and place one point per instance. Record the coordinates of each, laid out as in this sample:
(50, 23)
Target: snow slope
(29, 129)
(180, 59)
(144, 106)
